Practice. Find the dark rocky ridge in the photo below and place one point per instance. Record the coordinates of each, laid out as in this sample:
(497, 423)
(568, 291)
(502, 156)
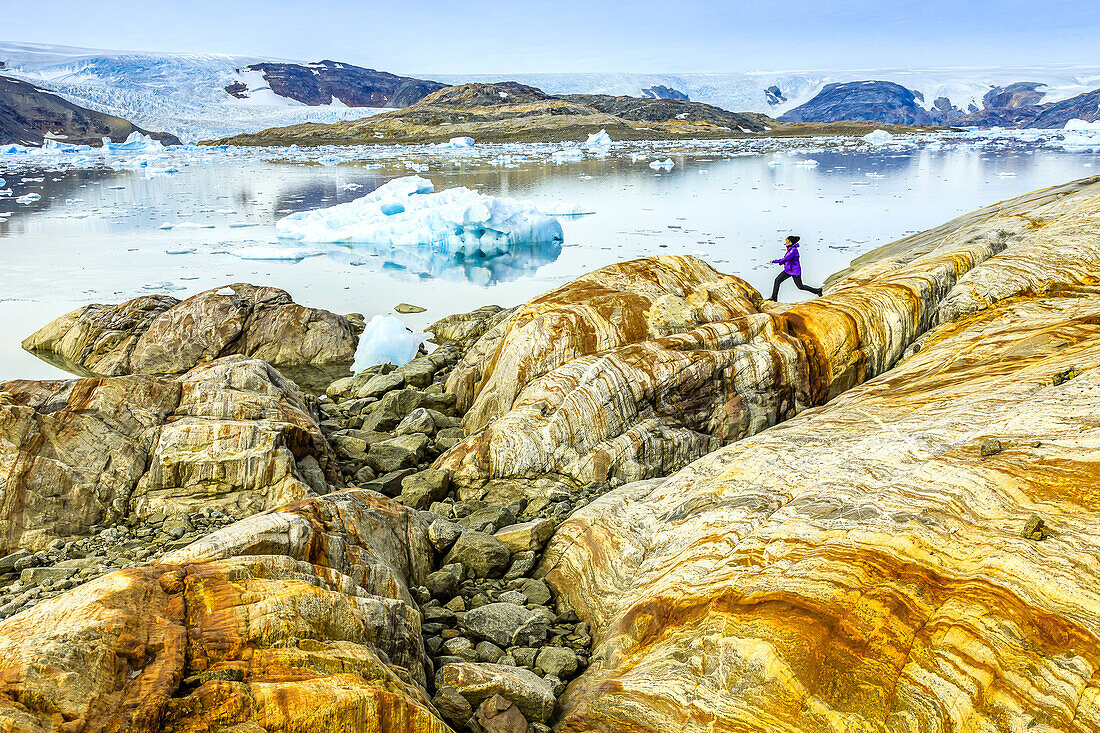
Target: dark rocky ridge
(29, 113)
(1016, 105)
(355, 86)
(882, 101)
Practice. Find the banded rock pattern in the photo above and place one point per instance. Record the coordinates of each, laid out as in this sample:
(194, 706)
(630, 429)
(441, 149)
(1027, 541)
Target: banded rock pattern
(232, 434)
(865, 566)
(158, 334)
(588, 394)
(298, 619)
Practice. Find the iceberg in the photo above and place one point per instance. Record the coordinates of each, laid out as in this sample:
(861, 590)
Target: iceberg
(1079, 124)
(662, 165)
(387, 339)
(409, 212)
(598, 141)
(134, 143)
(458, 143)
(878, 137)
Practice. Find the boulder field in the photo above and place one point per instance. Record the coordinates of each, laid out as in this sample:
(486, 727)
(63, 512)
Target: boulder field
(649, 500)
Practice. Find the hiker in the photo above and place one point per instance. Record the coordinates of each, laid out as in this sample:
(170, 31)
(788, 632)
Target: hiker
(791, 268)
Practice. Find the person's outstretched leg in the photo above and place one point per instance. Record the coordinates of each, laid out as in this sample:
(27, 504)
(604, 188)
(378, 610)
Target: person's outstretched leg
(798, 283)
(778, 281)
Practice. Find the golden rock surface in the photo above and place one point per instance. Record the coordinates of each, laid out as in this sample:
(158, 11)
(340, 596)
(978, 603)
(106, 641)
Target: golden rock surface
(295, 620)
(231, 434)
(922, 553)
(674, 364)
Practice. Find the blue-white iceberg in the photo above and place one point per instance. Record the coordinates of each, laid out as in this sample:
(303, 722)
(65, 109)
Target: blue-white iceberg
(409, 212)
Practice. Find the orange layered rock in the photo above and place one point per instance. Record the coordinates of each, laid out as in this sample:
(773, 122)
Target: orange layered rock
(231, 434)
(863, 566)
(581, 393)
(295, 620)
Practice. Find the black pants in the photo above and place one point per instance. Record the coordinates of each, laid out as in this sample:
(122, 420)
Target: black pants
(797, 281)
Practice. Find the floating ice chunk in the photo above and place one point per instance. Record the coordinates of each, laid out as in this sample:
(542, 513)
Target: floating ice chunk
(659, 165)
(409, 212)
(28, 198)
(807, 163)
(185, 225)
(2, 183)
(135, 143)
(878, 137)
(638, 157)
(183, 251)
(1006, 174)
(275, 253)
(351, 186)
(387, 339)
(456, 143)
(598, 141)
(567, 154)
(1074, 124)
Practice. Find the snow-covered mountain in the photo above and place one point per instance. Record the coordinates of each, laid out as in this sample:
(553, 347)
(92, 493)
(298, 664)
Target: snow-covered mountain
(202, 96)
(184, 94)
(965, 88)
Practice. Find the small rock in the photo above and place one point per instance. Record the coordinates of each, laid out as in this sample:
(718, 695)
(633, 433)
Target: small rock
(397, 453)
(536, 590)
(488, 519)
(444, 582)
(417, 421)
(991, 447)
(405, 308)
(389, 483)
(497, 715)
(1034, 529)
(7, 563)
(506, 625)
(381, 384)
(422, 489)
(461, 647)
(522, 565)
(526, 536)
(514, 596)
(442, 534)
(487, 651)
(557, 660)
(452, 706)
(482, 553)
(478, 681)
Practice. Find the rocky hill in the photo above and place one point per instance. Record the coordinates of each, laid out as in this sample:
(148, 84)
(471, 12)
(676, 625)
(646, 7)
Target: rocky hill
(509, 111)
(29, 115)
(647, 500)
(326, 81)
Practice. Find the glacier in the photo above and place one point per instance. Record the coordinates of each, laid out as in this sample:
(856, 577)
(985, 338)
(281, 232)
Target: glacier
(409, 212)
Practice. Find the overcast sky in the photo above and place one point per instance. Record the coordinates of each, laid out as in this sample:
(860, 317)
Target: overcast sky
(583, 35)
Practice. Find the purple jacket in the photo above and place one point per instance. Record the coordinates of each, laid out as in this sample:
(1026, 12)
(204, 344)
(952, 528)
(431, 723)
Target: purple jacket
(790, 262)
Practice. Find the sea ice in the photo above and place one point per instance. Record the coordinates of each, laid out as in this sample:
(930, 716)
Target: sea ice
(409, 212)
(665, 165)
(1074, 124)
(28, 198)
(387, 339)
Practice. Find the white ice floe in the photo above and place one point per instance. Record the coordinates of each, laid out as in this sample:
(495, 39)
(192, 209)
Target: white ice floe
(185, 225)
(458, 143)
(28, 198)
(1074, 124)
(878, 137)
(807, 163)
(409, 212)
(662, 165)
(598, 141)
(387, 339)
(567, 154)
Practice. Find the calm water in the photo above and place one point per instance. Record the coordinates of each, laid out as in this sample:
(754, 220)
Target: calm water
(98, 234)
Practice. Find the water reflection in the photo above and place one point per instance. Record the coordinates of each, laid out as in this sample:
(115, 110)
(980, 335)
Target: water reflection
(411, 263)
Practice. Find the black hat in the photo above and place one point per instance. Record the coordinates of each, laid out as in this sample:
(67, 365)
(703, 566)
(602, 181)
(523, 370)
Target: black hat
(793, 239)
